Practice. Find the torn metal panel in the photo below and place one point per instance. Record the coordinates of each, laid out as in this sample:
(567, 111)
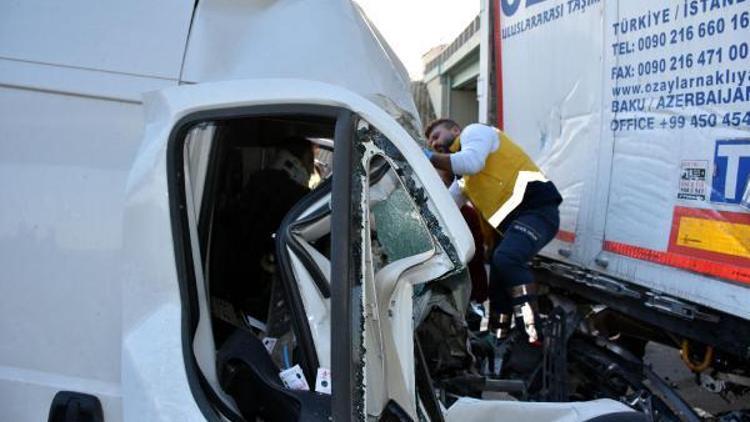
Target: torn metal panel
(358, 257)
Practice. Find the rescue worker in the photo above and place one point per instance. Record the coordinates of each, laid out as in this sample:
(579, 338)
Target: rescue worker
(514, 197)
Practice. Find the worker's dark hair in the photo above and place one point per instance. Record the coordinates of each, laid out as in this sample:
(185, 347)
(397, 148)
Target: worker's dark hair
(448, 123)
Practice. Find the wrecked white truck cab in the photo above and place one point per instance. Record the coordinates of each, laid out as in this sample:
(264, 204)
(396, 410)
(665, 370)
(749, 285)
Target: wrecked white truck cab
(341, 298)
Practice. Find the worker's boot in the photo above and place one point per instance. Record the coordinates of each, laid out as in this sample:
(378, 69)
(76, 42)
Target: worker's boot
(525, 310)
(527, 352)
(499, 325)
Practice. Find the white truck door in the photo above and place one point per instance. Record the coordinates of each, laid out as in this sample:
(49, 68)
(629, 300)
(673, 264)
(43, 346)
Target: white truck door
(398, 239)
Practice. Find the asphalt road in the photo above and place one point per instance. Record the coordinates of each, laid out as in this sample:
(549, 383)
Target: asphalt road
(666, 363)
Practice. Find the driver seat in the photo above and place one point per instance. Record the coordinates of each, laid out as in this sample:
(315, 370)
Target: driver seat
(248, 374)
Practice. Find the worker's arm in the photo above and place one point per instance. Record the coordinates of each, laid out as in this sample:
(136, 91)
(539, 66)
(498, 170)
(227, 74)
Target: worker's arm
(477, 142)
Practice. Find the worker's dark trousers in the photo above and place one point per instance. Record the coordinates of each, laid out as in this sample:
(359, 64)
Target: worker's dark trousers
(525, 236)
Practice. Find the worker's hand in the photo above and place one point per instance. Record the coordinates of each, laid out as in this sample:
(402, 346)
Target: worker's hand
(439, 160)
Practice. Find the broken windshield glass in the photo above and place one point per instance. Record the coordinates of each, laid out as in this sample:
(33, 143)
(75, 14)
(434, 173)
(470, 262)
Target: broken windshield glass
(397, 227)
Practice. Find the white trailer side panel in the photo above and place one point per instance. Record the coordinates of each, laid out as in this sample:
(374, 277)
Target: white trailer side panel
(640, 113)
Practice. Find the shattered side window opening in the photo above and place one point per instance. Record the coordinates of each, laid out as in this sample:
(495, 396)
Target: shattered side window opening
(396, 226)
(368, 134)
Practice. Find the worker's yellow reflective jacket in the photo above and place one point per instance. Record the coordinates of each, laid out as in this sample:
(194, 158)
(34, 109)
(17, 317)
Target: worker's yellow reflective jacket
(500, 186)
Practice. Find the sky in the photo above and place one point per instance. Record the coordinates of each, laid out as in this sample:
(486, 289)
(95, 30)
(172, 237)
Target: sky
(412, 27)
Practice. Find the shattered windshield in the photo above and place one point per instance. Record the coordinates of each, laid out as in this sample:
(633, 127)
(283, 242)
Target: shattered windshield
(396, 223)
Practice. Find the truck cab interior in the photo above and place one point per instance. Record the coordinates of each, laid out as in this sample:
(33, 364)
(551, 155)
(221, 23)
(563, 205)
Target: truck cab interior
(263, 168)
(247, 175)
